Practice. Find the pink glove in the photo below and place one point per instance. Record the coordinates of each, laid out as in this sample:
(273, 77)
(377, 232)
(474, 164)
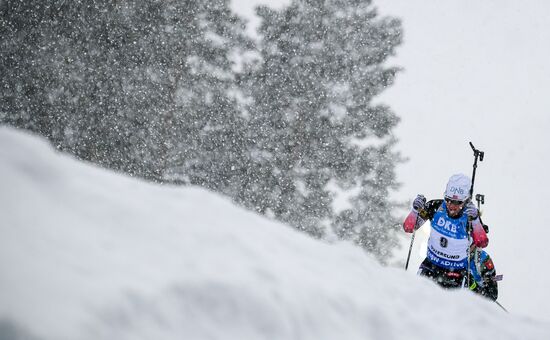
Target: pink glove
(479, 235)
(412, 222)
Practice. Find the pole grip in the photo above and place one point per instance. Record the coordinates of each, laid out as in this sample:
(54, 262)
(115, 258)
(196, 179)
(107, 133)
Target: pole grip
(477, 154)
(410, 248)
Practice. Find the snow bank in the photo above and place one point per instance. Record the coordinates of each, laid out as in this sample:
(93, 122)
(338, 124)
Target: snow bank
(90, 254)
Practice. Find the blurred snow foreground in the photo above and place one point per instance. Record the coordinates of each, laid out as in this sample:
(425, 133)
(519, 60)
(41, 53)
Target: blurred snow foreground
(90, 254)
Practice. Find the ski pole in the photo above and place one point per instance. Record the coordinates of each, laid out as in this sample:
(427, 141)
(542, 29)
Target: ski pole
(477, 154)
(469, 253)
(504, 309)
(479, 198)
(410, 248)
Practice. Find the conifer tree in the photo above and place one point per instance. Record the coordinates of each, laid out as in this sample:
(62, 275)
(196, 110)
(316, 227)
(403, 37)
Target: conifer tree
(145, 87)
(314, 126)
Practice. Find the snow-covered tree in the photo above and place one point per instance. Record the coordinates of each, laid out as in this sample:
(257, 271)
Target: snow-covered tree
(314, 130)
(146, 87)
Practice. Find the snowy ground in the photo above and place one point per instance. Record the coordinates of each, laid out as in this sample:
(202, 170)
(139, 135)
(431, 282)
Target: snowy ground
(90, 254)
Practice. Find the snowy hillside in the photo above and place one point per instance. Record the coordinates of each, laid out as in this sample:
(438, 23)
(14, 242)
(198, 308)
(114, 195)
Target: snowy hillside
(90, 254)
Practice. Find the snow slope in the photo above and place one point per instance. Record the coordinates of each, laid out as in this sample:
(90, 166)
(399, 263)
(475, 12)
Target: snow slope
(90, 254)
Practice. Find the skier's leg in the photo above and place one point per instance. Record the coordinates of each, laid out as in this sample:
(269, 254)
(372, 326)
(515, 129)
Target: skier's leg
(426, 269)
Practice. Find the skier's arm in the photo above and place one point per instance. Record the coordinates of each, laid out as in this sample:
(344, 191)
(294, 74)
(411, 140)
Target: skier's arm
(478, 234)
(477, 230)
(421, 212)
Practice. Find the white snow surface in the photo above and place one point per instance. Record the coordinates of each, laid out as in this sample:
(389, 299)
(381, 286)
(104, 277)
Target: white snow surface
(86, 253)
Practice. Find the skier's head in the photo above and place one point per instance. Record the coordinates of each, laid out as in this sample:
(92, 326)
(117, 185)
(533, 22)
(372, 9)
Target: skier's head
(457, 193)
